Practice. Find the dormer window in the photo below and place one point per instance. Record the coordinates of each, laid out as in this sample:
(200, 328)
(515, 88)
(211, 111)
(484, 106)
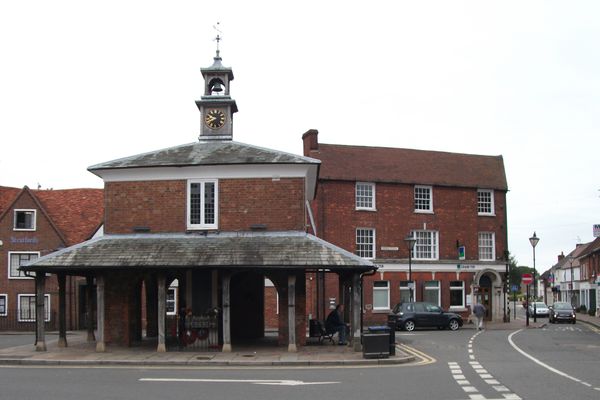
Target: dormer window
(25, 220)
(202, 204)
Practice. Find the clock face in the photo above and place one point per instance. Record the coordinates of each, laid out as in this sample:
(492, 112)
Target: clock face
(214, 119)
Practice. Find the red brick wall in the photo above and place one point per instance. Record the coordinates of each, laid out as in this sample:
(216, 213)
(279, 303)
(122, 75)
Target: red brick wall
(162, 206)
(271, 316)
(455, 218)
(158, 205)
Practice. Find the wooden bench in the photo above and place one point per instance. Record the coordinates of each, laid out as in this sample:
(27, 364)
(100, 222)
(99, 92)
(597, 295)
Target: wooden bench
(317, 330)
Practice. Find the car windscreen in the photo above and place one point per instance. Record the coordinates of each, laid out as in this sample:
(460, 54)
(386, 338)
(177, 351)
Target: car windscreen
(562, 306)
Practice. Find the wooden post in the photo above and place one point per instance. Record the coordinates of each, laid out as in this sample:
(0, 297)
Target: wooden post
(226, 287)
(40, 315)
(100, 345)
(162, 312)
(62, 309)
(89, 308)
(292, 348)
(356, 311)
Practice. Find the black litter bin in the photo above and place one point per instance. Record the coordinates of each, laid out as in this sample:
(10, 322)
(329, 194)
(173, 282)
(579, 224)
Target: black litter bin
(376, 342)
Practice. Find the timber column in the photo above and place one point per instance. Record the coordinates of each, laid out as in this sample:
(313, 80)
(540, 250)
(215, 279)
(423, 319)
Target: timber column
(162, 311)
(356, 311)
(226, 287)
(40, 315)
(100, 345)
(292, 348)
(89, 308)
(62, 311)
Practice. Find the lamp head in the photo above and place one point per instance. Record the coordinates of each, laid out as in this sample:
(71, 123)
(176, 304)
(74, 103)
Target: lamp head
(534, 240)
(410, 242)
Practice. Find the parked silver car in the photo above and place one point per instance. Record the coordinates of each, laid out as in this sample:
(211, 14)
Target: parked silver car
(541, 309)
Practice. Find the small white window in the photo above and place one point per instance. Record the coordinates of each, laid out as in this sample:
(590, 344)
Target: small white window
(423, 199)
(457, 294)
(431, 292)
(26, 308)
(15, 260)
(25, 220)
(171, 300)
(3, 305)
(485, 202)
(381, 295)
(365, 242)
(426, 246)
(365, 196)
(203, 204)
(487, 247)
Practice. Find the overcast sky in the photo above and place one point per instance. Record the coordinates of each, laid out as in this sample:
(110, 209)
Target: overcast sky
(84, 82)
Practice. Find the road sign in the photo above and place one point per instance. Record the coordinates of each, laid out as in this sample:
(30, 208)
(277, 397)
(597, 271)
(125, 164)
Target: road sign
(514, 288)
(527, 279)
(461, 253)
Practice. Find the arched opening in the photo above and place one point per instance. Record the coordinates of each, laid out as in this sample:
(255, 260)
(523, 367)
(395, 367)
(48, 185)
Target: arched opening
(247, 307)
(484, 295)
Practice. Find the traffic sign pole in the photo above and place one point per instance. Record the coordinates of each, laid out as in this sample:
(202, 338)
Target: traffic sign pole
(527, 309)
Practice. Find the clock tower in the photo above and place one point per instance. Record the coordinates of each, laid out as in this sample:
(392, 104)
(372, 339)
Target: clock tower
(216, 105)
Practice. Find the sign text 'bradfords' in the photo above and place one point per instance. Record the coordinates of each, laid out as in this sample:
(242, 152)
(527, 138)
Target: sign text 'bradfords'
(26, 240)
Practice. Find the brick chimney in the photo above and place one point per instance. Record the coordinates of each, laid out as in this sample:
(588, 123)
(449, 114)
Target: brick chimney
(561, 256)
(311, 141)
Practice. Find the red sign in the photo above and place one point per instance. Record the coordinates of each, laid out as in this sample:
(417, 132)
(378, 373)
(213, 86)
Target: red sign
(526, 279)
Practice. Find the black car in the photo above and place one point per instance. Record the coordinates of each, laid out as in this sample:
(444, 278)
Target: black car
(424, 315)
(562, 311)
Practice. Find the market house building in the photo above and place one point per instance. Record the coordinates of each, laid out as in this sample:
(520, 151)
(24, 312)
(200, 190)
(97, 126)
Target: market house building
(369, 199)
(34, 223)
(217, 216)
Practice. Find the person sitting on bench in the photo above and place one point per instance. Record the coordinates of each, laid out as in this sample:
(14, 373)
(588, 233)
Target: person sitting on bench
(335, 323)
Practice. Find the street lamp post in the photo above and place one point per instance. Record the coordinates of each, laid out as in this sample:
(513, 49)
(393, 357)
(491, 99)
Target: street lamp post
(534, 241)
(410, 244)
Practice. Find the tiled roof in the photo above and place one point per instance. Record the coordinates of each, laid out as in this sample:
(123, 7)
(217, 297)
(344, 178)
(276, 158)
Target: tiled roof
(591, 248)
(76, 213)
(211, 152)
(7, 196)
(384, 164)
(242, 250)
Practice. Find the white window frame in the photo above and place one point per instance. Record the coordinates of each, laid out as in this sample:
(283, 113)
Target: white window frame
(5, 297)
(202, 225)
(491, 202)
(385, 289)
(462, 297)
(429, 210)
(47, 307)
(174, 289)
(359, 199)
(480, 247)
(10, 253)
(361, 253)
(34, 211)
(432, 288)
(434, 249)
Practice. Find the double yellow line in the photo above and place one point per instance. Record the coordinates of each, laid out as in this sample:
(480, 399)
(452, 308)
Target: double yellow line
(423, 359)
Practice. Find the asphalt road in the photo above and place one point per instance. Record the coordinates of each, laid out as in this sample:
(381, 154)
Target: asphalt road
(559, 361)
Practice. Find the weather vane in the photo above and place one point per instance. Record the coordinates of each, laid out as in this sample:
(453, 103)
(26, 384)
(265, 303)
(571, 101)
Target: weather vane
(218, 38)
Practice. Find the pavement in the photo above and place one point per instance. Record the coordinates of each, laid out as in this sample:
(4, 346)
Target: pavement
(79, 352)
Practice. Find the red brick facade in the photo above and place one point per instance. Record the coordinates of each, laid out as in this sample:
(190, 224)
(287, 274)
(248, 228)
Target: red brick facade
(454, 218)
(55, 228)
(161, 206)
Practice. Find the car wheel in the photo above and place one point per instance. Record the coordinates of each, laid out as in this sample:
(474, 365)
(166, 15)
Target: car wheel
(409, 326)
(453, 325)
(573, 322)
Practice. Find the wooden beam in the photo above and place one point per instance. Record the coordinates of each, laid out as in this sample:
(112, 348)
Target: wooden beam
(40, 315)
